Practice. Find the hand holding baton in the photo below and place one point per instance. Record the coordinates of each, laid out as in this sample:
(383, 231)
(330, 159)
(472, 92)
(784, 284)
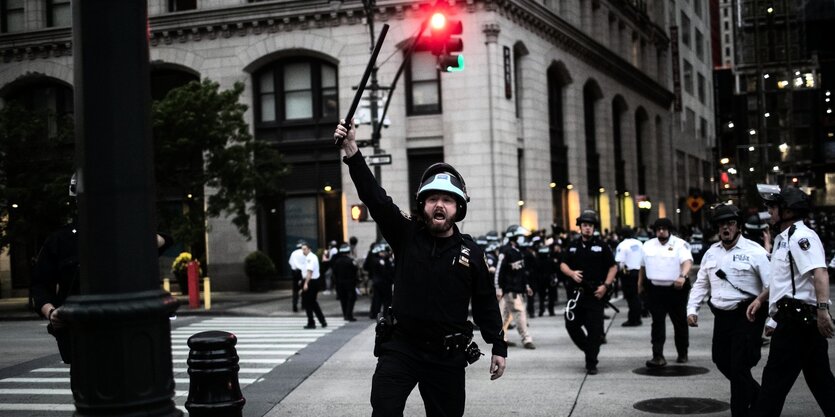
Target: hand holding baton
(349, 118)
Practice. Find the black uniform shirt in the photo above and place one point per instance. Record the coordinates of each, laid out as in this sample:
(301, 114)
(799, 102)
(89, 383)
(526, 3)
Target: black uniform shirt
(344, 269)
(594, 258)
(56, 270)
(435, 278)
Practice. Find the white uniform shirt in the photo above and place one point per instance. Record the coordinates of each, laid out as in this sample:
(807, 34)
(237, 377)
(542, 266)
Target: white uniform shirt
(628, 253)
(808, 254)
(745, 265)
(663, 262)
(311, 264)
(297, 260)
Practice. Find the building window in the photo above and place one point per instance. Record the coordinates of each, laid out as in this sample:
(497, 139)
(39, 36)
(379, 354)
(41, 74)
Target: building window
(685, 29)
(690, 121)
(295, 98)
(688, 76)
(725, 12)
(703, 127)
(11, 16)
(697, 8)
(58, 13)
(181, 5)
(423, 95)
(700, 45)
(701, 88)
(727, 52)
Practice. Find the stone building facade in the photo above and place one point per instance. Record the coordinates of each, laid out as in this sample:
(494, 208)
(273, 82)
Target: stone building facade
(563, 105)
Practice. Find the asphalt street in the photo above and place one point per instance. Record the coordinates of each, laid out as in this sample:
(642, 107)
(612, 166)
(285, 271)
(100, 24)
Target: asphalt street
(329, 370)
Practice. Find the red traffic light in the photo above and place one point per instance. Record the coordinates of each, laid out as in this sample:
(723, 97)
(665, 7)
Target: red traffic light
(437, 21)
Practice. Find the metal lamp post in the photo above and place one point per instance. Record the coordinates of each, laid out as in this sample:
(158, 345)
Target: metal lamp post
(121, 338)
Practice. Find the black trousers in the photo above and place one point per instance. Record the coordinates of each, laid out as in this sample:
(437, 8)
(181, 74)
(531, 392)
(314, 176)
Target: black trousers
(629, 283)
(736, 349)
(311, 304)
(546, 290)
(296, 277)
(347, 294)
(439, 378)
(589, 314)
(796, 348)
(663, 302)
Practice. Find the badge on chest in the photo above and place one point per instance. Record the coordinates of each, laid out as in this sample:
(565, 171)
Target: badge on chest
(464, 257)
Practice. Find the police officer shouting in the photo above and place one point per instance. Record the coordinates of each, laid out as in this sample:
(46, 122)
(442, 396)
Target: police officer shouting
(438, 272)
(591, 269)
(665, 265)
(799, 303)
(734, 272)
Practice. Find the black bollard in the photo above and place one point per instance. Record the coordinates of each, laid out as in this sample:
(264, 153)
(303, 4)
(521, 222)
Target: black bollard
(213, 372)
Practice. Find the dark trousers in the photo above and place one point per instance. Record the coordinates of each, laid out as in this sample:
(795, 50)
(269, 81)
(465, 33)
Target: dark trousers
(736, 349)
(664, 301)
(589, 314)
(296, 277)
(311, 305)
(381, 298)
(530, 308)
(546, 290)
(629, 283)
(347, 293)
(796, 348)
(440, 381)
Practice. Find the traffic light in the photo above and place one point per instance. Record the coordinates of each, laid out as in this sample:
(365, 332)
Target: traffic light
(359, 213)
(444, 41)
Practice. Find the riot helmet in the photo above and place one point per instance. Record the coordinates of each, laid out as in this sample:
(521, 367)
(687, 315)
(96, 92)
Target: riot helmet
(443, 177)
(516, 231)
(725, 212)
(344, 249)
(755, 223)
(589, 216)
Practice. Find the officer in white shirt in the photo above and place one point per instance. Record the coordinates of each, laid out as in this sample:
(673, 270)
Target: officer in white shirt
(798, 297)
(628, 256)
(665, 264)
(734, 272)
(310, 289)
(297, 264)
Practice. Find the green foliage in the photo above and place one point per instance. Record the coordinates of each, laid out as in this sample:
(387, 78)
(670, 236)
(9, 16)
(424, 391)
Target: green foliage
(36, 163)
(201, 139)
(258, 265)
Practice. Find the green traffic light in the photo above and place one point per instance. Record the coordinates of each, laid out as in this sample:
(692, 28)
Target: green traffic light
(459, 67)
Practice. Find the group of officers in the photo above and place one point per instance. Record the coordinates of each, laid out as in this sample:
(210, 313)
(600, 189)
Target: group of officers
(442, 277)
(782, 292)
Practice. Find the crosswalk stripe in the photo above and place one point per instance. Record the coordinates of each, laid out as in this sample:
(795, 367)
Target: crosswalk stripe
(36, 407)
(274, 361)
(61, 380)
(243, 353)
(176, 370)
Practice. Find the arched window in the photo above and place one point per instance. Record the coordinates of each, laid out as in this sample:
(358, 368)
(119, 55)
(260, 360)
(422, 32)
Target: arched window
(591, 94)
(295, 99)
(558, 79)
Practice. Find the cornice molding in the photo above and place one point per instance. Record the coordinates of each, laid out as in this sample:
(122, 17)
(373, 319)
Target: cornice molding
(289, 15)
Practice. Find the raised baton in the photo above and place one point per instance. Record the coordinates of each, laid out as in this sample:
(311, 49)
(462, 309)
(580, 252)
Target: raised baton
(361, 88)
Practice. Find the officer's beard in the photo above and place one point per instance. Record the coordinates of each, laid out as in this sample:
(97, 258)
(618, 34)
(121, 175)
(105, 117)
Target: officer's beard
(439, 223)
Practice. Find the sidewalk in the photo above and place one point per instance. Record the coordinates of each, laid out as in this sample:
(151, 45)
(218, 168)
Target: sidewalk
(549, 381)
(223, 302)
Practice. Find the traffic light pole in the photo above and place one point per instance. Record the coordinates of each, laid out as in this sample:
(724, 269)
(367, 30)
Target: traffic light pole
(374, 106)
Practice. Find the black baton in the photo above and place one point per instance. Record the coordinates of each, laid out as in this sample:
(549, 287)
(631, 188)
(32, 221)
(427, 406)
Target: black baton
(361, 88)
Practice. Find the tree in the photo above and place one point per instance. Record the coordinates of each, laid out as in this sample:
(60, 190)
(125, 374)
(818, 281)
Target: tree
(202, 141)
(36, 163)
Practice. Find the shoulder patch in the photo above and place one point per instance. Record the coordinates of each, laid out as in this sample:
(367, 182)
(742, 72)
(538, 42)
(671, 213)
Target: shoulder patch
(804, 244)
(686, 246)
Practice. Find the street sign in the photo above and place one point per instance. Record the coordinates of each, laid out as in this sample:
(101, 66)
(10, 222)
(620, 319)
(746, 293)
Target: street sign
(379, 159)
